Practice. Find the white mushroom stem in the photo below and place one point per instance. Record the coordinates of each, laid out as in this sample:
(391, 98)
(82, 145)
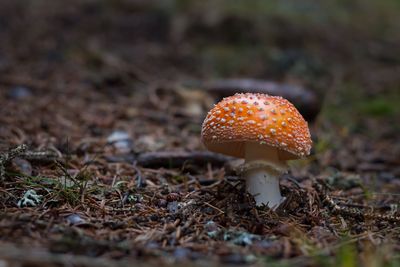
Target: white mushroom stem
(261, 171)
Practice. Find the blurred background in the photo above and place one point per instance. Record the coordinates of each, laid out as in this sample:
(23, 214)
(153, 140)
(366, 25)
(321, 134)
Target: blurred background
(118, 45)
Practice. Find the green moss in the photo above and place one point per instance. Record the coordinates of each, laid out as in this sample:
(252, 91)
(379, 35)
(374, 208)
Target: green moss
(381, 106)
(351, 105)
(347, 256)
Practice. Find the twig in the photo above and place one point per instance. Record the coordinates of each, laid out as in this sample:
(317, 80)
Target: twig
(357, 212)
(211, 206)
(40, 156)
(353, 212)
(22, 152)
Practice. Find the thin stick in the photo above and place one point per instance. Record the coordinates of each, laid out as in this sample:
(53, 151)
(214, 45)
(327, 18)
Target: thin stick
(211, 206)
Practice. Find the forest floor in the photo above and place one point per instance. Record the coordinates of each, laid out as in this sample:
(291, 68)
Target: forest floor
(101, 162)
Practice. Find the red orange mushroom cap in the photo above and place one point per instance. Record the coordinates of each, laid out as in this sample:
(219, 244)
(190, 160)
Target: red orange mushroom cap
(269, 120)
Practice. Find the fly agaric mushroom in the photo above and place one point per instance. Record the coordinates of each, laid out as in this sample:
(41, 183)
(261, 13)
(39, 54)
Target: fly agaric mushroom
(264, 130)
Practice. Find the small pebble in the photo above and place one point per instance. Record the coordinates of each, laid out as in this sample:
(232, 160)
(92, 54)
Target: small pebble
(22, 166)
(75, 219)
(121, 140)
(19, 93)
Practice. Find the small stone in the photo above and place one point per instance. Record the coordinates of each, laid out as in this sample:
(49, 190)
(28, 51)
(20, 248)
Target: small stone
(121, 140)
(22, 166)
(75, 219)
(19, 93)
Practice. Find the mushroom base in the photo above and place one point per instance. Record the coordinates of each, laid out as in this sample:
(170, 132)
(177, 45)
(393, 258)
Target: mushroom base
(261, 172)
(264, 186)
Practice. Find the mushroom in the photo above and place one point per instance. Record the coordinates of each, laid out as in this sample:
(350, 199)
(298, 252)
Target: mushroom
(264, 130)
